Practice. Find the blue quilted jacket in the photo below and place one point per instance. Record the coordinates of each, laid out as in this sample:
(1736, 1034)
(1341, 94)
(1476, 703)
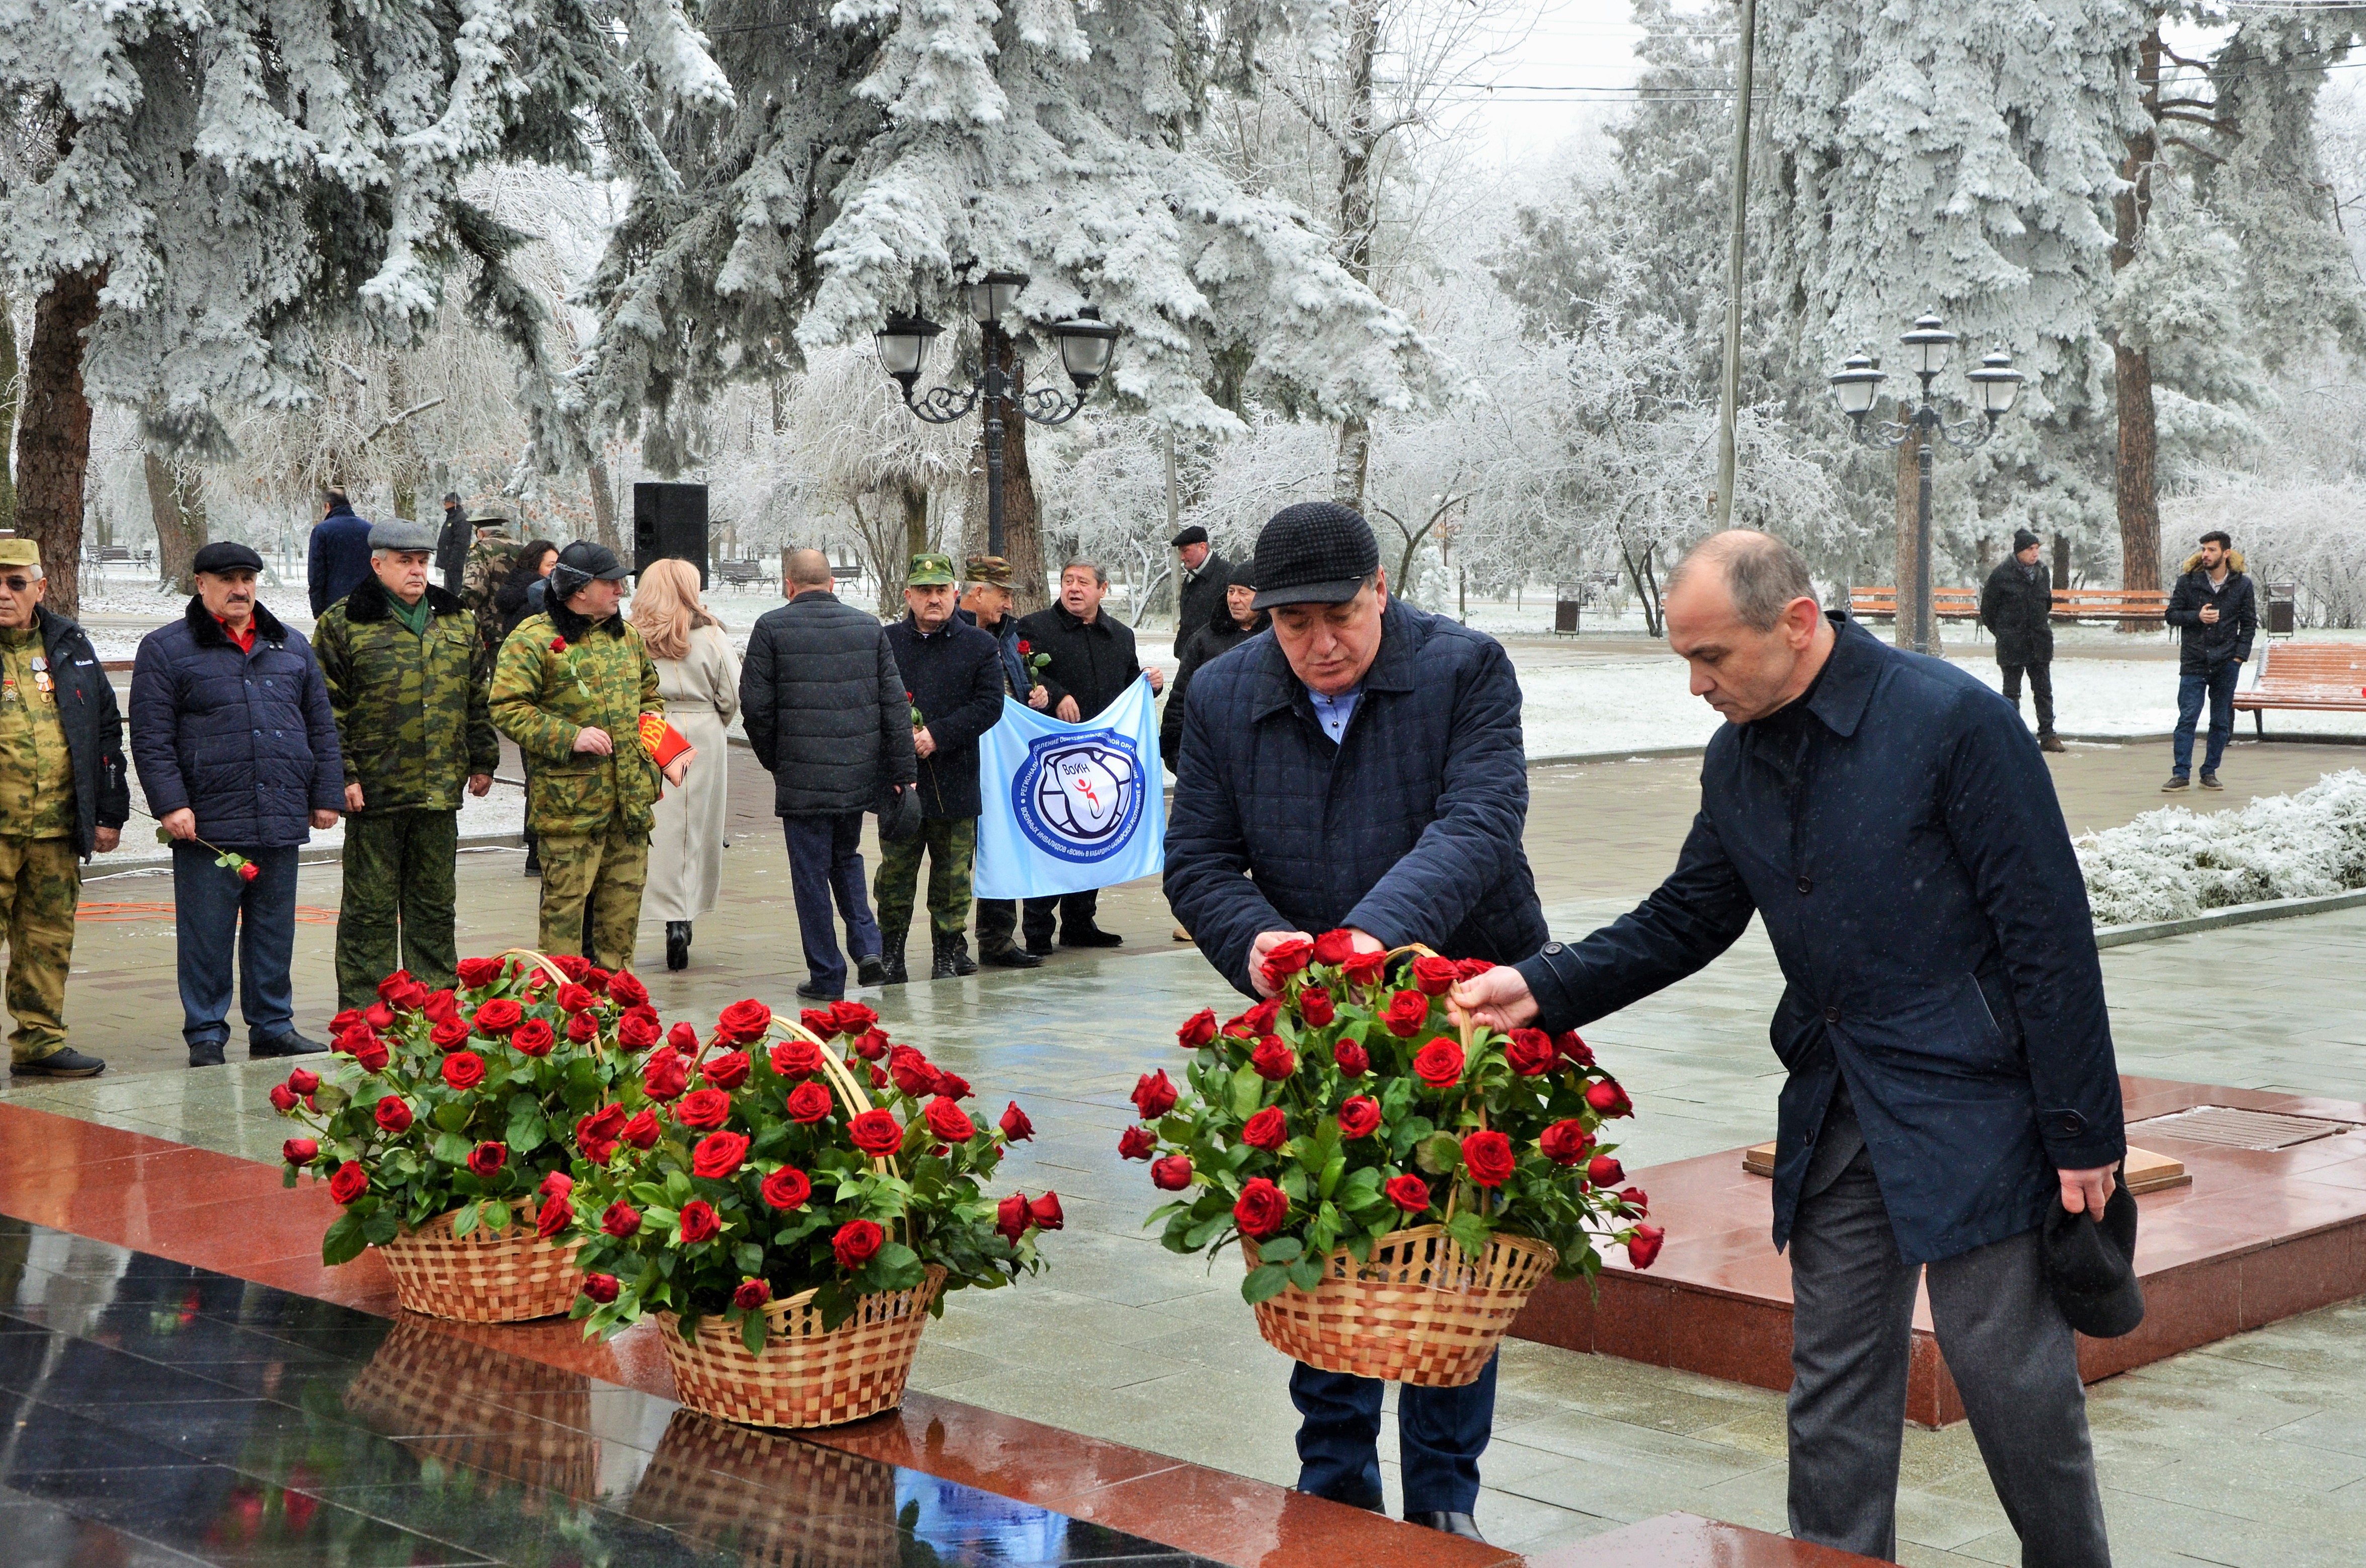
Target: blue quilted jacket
(1408, 829)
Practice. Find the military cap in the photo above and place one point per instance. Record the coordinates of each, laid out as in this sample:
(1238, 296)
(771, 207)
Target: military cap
(402, 533)
(20, 552)
(929, 571)
(992, 571)
(1318, 552)
(489, 520)
(225, 555)
(1194, 535)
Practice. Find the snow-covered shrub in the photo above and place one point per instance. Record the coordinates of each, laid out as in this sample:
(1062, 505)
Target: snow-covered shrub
(2173, 863)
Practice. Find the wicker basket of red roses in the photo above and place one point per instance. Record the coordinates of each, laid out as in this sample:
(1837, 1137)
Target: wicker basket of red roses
(442, 1136)
(1398, 1183)
(794, 1221)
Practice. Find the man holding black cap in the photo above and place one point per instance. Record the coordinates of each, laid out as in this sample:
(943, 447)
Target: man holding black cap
(2017, 607)
(408, 686)
(452, 544)
(1360, 768)
(571, 688)
(1202, 586)
(236, 745)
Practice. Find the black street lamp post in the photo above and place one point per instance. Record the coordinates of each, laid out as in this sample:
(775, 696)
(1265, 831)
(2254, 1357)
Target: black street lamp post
(1085, 343)
(1996, 385)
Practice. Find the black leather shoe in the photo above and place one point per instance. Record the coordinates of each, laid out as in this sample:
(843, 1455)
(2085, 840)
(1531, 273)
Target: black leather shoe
(1091, 936)
(949, 955)
(814, 993)
(677, 944)
(887, 969)
(65, 1062)
(206, 1054)
(1009, 958)
(1462, 1525)
(288, 1044)
(1040, 946)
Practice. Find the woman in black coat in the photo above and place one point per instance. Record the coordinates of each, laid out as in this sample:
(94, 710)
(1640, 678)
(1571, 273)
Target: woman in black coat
(1232, 624)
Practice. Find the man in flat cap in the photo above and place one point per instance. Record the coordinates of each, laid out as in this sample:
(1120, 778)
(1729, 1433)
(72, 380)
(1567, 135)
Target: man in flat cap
(1359, 769)
(452, 544)
(1201, 585)
(571, 688)
(61, 797)
(988, 606)
(236, 746)
(407, 682)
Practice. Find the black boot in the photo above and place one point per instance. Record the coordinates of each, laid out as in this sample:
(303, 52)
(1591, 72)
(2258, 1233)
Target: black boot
(952, 956)
(677, 944)
(1009, 956)
(892, 959)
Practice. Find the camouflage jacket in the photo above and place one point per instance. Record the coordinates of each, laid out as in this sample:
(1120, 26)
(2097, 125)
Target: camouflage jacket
(413, 715)
(559, 674)
(488, 565)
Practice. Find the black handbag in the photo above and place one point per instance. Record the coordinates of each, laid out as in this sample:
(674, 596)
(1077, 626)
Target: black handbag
(899, 813)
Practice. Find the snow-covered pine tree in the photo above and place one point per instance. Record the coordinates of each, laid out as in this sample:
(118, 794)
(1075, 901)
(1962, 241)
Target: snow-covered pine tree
(207, 186)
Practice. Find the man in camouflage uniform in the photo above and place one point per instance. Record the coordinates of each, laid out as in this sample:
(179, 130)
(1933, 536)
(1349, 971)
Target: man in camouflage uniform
(405, 679)
(490, 561)
(570, 688)
(62, 796)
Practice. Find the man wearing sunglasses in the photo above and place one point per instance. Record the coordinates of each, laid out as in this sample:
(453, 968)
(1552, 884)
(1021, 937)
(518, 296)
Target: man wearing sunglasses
(61, 797)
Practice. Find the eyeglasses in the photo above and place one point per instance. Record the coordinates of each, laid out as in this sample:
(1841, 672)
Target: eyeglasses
(15, 584)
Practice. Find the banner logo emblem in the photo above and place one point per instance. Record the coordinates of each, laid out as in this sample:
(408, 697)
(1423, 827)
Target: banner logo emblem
(1079, 797)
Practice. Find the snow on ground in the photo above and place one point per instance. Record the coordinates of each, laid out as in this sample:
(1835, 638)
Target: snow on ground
(2174, 863)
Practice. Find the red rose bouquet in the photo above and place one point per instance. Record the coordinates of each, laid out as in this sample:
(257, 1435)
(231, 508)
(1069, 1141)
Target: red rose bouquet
(1348, 1108)
(774, 1159)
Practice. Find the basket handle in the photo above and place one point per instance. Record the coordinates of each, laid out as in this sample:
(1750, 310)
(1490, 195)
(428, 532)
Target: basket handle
(856, 1096)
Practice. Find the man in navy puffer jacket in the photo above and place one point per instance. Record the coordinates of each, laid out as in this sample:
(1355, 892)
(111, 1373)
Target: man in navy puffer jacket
(236, 747)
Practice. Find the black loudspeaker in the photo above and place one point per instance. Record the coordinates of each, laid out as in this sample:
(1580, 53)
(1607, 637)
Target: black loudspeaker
(670, 520)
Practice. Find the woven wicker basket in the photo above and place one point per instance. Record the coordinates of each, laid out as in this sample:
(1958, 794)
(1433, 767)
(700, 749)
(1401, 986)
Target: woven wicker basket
(767, 1501)
(483, 1277)
(1418, 1313)
(804, 1377)
(487, 1409)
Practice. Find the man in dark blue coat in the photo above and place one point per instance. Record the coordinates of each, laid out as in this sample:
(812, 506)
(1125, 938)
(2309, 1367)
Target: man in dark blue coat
(1359, 767)
(339, 560)
(236, 746)
(1951, 1074)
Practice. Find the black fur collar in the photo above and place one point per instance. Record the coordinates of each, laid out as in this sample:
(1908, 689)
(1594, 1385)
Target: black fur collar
(209, 634)
(367, 603)
(575, 627)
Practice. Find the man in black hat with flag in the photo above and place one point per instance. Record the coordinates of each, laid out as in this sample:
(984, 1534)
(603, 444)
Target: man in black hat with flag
(1200, 588)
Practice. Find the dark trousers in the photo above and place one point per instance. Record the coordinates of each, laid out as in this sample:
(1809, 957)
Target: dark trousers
(997, 921)
(825, 864)
(2015, 1359)
(215, 910)
(1075, 909)
(1441, 1432)
(2218, 687)
(2041, 691)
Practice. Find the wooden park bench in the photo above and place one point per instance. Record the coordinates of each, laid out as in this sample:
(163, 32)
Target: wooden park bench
(2322, 677)
(1947, 604)
(2069, 605)
(739, 573)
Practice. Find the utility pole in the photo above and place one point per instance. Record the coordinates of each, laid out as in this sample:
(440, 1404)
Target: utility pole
(1729, 385)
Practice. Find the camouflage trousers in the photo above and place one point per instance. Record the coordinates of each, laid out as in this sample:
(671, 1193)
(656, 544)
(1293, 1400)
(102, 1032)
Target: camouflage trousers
(592, 893)
(951, 846)
(41, 884)
(396, 912)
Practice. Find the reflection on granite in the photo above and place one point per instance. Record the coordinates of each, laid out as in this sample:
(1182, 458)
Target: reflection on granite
(153, 1414)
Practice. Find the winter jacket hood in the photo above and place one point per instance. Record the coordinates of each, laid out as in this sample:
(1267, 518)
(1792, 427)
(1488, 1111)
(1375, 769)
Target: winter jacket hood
(2193, 562)
(367, 605)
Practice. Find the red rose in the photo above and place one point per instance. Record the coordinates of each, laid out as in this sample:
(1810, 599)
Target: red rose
(1606, 1097)
(1530, 1052)
(303, 1080)
(559, 645)
(620, 1219)
(1435, 976)
(377, 1016)
(349, 1018)
(573, 999)
(1016, 1128)
(643, 1132)
(558, 1184)
(1010, 1217)
(591, 975)
(1316, 1007)
(624, 988)
(718, 1155)
(499, 1016)
(664, 1076)
(393, 1114)
(600, 1288)
(1046, 1213)
(1636, 1199)
(583, 1028)
(1172, 1174)
(1438, 1063)
(1365, 968)
(787, 1187)
(1286, 959)
(727, 1071)
(349, 1182)
(751, 1294)
(1471, 968)
(878, 1075)
(872, 1046)
(1565, 1142)
(1406, 1012)
(816, 1021)
(533, 1037)
(1263, 1209)
(597, 1134)
(685, 1039)
(1260, 1018)
(851, 1018)
(477, 973)
(1272, 1059)
(810, 1101)
(555, 1216)
(875, 1133)
(1408, 1193)
(796, 1058)
(283, 1099)
(1335, 947)
(1574, 1049)
(1025, 647)
(300, 1151)
(1265, 1130)
(1137, 1143)
(699, 1222)
(1353, 1059)
(704, 1109)
(485, 1161)
(1198, 1030)
(440, 1006)
(637, 1032)
(1643, 1247)
(911, 1071)
(856, 1242)
(370, 1052)
(952, 1086)
(450, 1035)
(574, 965)
(398, 983)
(1603, 1170)
(1360, 1117)
(949, 1122)
(1154, 1095)
(1487, 1155)
(464, 1070)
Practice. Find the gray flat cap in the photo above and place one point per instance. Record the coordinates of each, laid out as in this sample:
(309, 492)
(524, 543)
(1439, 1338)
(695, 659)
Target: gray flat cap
(402, 533)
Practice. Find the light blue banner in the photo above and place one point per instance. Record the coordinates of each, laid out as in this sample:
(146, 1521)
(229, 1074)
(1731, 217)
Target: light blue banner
(1069, 807)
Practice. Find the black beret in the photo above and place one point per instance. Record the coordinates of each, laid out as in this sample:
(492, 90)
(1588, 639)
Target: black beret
(226, 554)
(1318, 552)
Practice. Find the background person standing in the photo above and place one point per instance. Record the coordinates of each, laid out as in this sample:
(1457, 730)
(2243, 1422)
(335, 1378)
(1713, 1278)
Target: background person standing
(236, 745)
(452, 543)
(1199, 587)
(988, 606)
(2215, 613)
(1232, 621)
(62, 796)
(698, 676)
(338, 559)
(2017, 607)
(489, 562)
(408, 684)
(827, 717)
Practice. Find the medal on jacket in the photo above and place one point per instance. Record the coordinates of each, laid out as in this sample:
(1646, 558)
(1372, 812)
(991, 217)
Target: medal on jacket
(42, 675)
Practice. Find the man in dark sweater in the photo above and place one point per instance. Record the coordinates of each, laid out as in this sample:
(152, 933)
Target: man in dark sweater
(953, 675)
(1092, 664)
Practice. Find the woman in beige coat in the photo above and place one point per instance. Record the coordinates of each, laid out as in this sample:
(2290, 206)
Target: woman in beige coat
(699, 679)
